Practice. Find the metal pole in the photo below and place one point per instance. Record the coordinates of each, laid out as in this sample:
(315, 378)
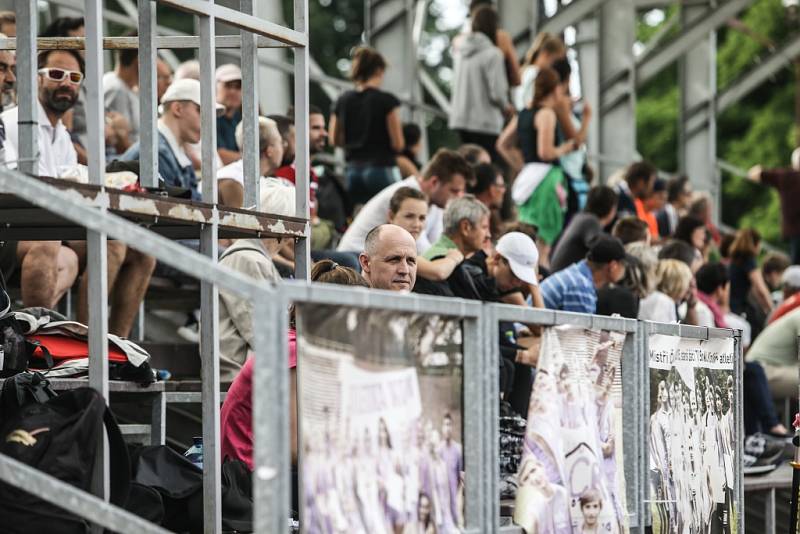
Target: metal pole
(271, 484)
(486, 444)
(148, 133)
(302, 258)
(96, 246)
(27, 84)
(209, 296)
(250, 150)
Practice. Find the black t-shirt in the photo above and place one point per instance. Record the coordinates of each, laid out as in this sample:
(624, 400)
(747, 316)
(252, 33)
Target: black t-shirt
(739, 273)
(362, 115)
(619, 300)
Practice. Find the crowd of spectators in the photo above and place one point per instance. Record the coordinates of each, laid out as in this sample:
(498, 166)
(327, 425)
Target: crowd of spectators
(640, 246)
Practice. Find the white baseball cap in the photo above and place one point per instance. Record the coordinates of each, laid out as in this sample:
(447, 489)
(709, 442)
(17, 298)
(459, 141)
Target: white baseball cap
(228, 73)
(791, 276)
(185, 89)
(522, 255)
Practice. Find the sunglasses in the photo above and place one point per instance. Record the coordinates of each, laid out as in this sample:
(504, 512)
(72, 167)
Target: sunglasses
(58, 75)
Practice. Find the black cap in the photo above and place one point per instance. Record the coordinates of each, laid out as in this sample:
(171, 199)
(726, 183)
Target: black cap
(659, 185)
(606, 249)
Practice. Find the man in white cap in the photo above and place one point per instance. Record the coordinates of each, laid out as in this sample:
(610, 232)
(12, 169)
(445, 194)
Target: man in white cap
(791, 293)
(229, 94)
(179, 125)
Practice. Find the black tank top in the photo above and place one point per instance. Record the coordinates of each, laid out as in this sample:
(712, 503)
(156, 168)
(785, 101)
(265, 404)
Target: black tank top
(527, 136)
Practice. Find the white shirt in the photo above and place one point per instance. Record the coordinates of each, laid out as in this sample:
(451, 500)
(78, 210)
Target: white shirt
(56, 153)
(376, 212)
(118, 97)
(705, 317)
(659, 308)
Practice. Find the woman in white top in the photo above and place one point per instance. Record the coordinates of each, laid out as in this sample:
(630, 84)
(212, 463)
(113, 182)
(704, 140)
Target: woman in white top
(544, 51)
(674, 286)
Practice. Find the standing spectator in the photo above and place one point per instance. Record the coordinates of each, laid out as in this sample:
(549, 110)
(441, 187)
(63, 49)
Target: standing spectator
(575, 288)
(389, 259)
(480, 102)
(539, 189)
(231, 177)
(466, 228)
(8, 23)
(638, 184)
(679, 194)
(776, 350)
(178, 126)
(574, 243)
(444, 178)
(229, 94)
(119, 90)
(490, 188)
(163, 77)
(791, 293)
(366, 123)
(745, 275)
(544, 51)
(787, 182)
(408, 160)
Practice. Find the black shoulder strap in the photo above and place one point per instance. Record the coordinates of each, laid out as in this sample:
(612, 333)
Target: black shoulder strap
(119, 460)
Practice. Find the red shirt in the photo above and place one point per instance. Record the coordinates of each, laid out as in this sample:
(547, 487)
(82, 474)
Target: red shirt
(785, 307)
(236, 416)
(287, 172)
(647, 216)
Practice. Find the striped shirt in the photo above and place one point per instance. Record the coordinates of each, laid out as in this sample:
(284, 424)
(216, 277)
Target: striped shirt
(571, 290)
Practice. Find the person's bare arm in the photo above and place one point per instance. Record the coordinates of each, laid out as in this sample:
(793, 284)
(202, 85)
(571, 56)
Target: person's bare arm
(395, 128)
(754, 174)
(406, 166)
(545, 123)
(760, 290)
(335, 132)
(507, 147)
(228, 156)
(506, 45)
(439, 269)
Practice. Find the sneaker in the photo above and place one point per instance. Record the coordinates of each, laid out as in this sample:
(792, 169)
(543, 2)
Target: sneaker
(756, 466)
(765, 449)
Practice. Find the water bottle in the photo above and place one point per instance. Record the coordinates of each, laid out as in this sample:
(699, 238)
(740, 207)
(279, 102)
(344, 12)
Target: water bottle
(195, 452)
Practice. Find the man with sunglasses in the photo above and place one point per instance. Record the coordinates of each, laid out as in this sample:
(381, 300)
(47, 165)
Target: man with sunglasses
(7, 78)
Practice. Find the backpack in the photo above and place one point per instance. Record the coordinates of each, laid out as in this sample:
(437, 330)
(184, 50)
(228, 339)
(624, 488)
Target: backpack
(60, 437)
(16, 350)
(22, 389)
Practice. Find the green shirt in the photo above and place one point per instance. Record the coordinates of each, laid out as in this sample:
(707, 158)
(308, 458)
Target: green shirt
(777, 344)
(440, 248)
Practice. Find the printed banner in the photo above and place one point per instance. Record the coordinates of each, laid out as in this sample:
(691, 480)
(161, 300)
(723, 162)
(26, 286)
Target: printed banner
(692, 441)
(571, 474)
(380, 422)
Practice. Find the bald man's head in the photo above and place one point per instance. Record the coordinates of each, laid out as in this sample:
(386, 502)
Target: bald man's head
(389, 260)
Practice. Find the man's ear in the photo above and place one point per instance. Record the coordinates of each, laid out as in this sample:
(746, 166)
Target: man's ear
(363, 260)
(464, 226)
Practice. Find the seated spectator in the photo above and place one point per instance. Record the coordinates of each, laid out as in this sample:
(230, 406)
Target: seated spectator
(408, 209)
(679, 194)
(791, 293)
(776, 350)
(745, 276)
(480, 91)
(474, 154)
(466, 228)
(189, 69)
(681, 251)
(638, 184)
(692, 231)
(178, 126)
(490, 188)
(443, 178)
(631, 230)
(713, 291)
(230, 178)
(288, 134)
(772, 268)
(7, 76)
(702, 208)
(236, 415)
(575, 288)
(229, 94)
(389, 259)
(8, 23)
(408, 159)
(672, 289)
(252, 257)
(119, 92)
(574, 243)
(163, 78)
(366, 123)
(623, 298)
(647, 207)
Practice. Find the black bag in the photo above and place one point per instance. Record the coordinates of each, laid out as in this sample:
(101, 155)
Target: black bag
(16, 350)
(22, 389)
(60, 438)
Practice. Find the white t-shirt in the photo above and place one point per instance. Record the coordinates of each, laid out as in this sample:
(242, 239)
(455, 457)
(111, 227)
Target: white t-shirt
(376, 212)
(659, 308)
(705, 317)
(118, 97)
(56, 153)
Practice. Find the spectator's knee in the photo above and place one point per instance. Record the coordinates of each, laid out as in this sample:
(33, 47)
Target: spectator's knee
(68, 263)
(143, 262)
(116, 252)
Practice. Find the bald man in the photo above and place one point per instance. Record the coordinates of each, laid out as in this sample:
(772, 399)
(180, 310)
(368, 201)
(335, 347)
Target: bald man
(389, 260)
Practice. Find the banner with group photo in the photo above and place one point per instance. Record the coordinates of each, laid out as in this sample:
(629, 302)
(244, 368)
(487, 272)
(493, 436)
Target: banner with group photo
(692, 435)
(571, 476)
(380, 421)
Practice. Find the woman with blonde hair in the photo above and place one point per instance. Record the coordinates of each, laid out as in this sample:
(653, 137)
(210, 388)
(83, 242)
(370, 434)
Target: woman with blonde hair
(674, 283)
